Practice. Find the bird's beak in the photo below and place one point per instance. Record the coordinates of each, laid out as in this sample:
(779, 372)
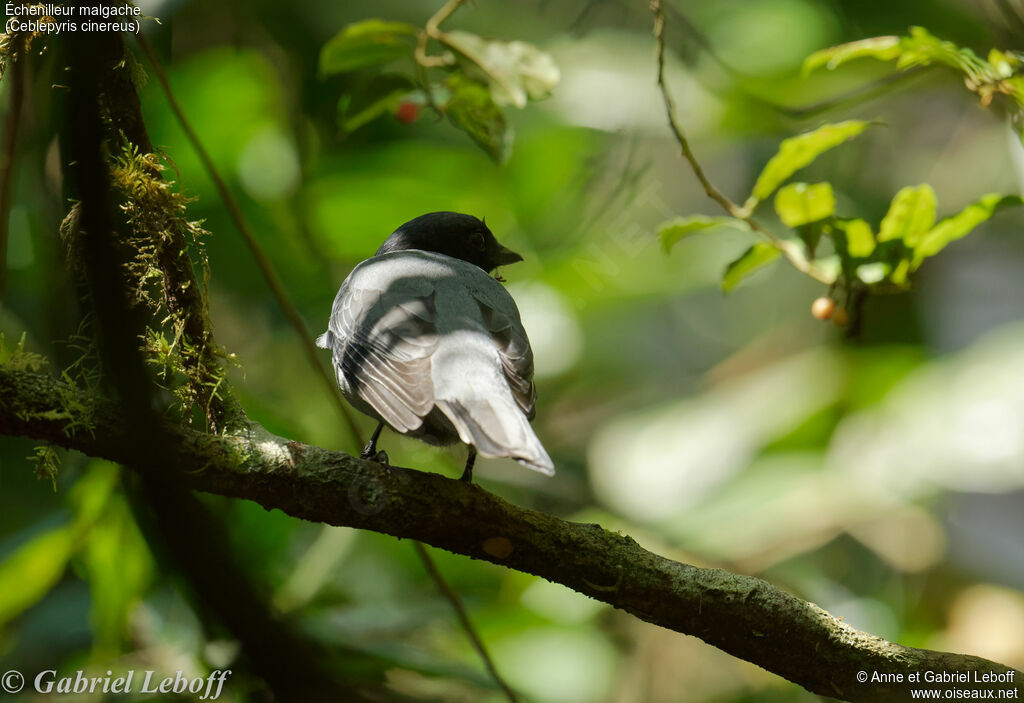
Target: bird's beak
(506, 256)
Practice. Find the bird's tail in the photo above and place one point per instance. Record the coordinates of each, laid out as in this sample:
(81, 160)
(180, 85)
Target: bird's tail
(498, 428)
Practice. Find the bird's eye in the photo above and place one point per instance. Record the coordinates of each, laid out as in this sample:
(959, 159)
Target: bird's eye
(476, 239)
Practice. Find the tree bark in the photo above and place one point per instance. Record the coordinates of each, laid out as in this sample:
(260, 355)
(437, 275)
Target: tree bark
(744, 616)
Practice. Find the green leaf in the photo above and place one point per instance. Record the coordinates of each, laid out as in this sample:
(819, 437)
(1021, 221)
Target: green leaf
(859, 239)
(900, 273)
(854, 242)
(797, 152)
(998, 74)
(32, 570)
(1005, 64)
(883, 48)
(922, 48)
(799, 203)
(381, 95)
(872, 273)
(754, 258)
(472, 110)
(515, 71)
(674, 230)
(911, 214)
(366, 43)
(961, 224)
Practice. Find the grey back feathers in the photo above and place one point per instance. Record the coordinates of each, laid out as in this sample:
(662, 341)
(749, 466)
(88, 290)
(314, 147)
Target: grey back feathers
(434, 347)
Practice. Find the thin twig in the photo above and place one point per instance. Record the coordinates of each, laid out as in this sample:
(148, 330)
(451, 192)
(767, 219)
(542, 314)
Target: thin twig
(423, 61)
(670, 109)
(266, 268)
(467, 625)
(16, 70)
(791, 253)
(432, 30)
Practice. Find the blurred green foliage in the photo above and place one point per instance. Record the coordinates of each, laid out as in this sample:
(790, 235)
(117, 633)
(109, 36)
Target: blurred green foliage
(879, 477)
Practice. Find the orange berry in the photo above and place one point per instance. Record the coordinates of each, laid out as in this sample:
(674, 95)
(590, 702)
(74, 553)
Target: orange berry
(840, 317)
(823, 308)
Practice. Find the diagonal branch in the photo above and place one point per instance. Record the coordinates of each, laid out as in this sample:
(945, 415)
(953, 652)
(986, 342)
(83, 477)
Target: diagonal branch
(745, 616)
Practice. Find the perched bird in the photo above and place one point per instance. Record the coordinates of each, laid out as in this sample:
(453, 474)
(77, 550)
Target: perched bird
(425, 341)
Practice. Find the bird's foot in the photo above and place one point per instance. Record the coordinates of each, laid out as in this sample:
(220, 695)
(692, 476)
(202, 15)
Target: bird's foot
(370, 450)
(381, 457)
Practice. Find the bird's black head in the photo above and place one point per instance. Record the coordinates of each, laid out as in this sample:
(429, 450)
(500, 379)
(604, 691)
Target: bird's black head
(453, 234)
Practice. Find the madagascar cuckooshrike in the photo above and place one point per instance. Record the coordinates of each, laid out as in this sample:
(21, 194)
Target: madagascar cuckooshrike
(425, 341)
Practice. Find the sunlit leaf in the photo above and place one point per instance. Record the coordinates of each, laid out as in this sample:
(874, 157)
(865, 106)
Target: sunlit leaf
(922, 48)
(911, 214)
(901, 272)
(674, 230)
(961, 224)
(919, 49)
(797, 152)
(860, 240)
(472, 110)
(1004, 64)
(998, 74)
(884, 48)
(515, 71)
(32, 570)
(801, 203)
(754, 258)
(873, 273)
(366, 43)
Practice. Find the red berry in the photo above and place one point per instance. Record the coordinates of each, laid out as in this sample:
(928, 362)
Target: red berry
(407, 112)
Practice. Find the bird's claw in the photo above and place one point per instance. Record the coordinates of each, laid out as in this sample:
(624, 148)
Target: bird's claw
(381, 457)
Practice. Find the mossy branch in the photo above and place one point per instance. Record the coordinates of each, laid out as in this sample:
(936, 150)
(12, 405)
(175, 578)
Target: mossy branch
(744, 616)
(160, 234)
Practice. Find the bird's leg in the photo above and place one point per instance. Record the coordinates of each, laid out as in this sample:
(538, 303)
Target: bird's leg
(370, 450)
(467, 474)
(371, 447)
